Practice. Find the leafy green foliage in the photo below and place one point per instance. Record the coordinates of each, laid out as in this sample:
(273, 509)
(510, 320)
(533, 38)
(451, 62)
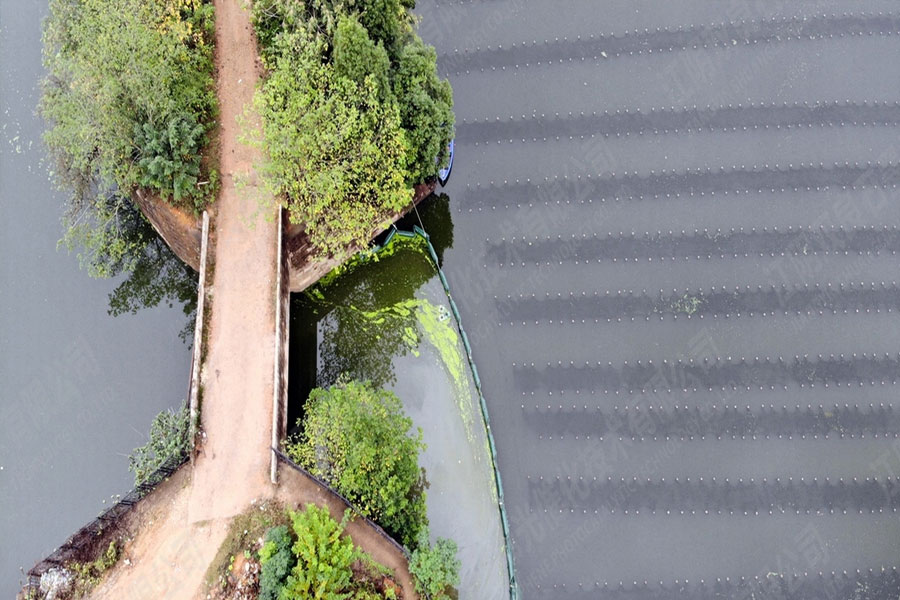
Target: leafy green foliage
(169, 440)
(129, 98)
(169, 156)
(426, 109)
(353, 113)
(277, 559)
(358, 440)
(88, 574)
(324, 558)
(434, 568)
(334, 148)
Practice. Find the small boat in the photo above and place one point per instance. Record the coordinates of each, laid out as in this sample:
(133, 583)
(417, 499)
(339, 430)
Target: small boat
(444, 174)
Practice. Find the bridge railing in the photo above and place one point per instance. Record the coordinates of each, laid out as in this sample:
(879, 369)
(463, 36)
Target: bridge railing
(282, 345)
(197, 351)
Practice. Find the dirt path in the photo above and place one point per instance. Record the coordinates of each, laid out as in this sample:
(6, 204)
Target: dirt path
(236, 411)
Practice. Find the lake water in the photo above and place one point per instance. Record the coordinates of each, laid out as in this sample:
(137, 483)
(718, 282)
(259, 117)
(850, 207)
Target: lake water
(675, 252)
(79, 387)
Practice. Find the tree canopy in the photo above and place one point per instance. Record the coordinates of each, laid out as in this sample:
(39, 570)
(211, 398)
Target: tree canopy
(354, 113)
(434, 568)
(130, 99)
(358, 439)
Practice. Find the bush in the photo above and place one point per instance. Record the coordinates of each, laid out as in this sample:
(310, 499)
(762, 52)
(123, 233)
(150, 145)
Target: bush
(169, 440)
(353, 113)
(129, 98)
(87, 575)
(336, 151)
(358, 440)
(324, 557)
(434, 568)
(169, 155)
(277, 559)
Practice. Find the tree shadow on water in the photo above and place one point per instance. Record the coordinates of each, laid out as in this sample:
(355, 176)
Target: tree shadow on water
(156, 276)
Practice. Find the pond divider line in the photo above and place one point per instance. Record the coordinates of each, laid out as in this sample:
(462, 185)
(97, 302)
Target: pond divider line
(420, 232)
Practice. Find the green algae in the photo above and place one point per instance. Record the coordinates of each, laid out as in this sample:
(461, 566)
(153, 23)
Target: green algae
(438, 329)
(371, 316)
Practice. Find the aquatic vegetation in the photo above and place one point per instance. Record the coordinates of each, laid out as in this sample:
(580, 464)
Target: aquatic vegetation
(687, 304)
(440, 331)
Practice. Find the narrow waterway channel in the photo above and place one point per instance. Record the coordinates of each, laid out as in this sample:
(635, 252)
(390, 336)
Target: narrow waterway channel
(79, 386)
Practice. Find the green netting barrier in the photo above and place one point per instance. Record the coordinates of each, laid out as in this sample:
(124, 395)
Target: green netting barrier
(420, 232)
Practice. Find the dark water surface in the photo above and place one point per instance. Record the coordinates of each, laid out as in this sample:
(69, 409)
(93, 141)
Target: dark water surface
(79, 387)
(675, 253)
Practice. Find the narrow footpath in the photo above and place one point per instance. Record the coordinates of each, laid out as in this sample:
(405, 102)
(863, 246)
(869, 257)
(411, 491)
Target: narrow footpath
(186, 519)
(236, 410)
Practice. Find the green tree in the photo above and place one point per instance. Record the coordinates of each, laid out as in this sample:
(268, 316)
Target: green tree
(336, 151)
(434, 568)
(358, 439)
(277, 560)
(353, 114)
(324, 558)
(426, 110)
(115, 68)
(357, 57)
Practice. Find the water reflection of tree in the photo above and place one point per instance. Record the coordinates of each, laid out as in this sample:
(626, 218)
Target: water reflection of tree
(155, 275)
(366, 316)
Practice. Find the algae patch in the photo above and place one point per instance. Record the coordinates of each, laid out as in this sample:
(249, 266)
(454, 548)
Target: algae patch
(439, 331)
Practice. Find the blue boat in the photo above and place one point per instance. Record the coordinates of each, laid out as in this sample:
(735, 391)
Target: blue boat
(444, 174)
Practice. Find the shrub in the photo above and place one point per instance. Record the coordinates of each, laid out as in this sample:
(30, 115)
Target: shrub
(169, 155)
(87, 575)
(336, 151)
(277, 559)
(434, 568)
(353, 113)
(324, 557)
(358, 439)
(169, 440)
(426, 109)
